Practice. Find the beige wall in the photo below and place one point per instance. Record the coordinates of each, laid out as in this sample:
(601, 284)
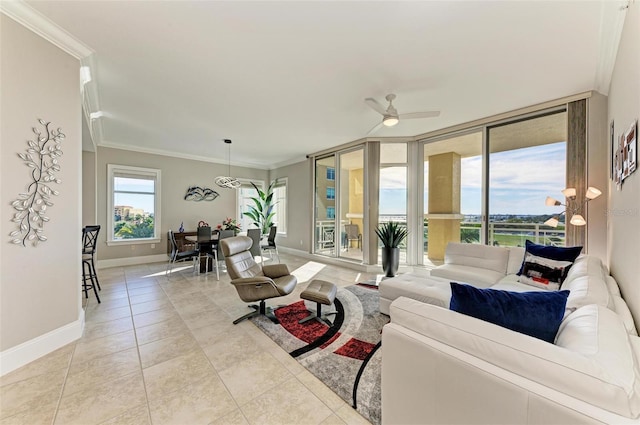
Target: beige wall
(39, 286)
(597, 174)
(89, 193)
(624, 205)
(299, 205)
(177, 175)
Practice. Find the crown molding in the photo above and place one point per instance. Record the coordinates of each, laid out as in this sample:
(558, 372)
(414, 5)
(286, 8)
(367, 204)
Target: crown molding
(21, 12)
(288, 162)
(612, 20)
(172, 154)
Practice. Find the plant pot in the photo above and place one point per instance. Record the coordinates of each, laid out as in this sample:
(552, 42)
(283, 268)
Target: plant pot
(390, 261)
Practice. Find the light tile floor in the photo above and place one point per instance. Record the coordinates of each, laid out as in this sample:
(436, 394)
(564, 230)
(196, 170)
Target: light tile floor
(165, 351)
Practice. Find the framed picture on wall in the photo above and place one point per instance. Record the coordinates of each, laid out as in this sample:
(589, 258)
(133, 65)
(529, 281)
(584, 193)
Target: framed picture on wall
(625, 156)
(631, 142)
(612, 151)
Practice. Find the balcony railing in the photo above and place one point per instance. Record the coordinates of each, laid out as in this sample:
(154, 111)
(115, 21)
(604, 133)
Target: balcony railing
(500, 233)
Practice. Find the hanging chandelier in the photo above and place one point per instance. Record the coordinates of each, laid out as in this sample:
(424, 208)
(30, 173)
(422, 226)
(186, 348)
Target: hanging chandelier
(228, 182)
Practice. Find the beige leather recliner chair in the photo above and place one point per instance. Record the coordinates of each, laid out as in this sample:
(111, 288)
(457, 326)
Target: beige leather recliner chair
(252, 281)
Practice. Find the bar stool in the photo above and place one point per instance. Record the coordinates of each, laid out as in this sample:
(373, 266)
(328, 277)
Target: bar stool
(89, 242)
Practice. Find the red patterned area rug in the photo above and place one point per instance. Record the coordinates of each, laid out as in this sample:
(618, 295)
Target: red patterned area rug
(346, 356)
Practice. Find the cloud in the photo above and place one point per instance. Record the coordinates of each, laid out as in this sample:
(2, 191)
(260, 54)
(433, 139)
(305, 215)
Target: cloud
(393, 178)
(533, 168)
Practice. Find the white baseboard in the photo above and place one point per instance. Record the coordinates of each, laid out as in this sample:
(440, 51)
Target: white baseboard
(130, 261)
(20, 355)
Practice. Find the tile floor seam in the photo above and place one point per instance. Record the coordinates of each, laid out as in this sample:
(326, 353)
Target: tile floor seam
(64, 382)
(135, 337)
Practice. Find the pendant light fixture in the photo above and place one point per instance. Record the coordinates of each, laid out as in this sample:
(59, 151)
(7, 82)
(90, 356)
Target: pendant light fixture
(228, 182)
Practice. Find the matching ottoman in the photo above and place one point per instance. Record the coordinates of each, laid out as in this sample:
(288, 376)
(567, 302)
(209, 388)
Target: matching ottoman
(320, 292)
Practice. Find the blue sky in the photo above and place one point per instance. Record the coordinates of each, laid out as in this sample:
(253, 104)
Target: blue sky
(134, 200)
(520, 180)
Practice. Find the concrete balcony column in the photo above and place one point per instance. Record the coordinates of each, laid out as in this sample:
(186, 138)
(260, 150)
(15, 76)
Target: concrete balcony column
(444, 203)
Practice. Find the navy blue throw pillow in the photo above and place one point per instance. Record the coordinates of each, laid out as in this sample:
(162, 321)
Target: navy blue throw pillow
(536, 314)
(557, 253)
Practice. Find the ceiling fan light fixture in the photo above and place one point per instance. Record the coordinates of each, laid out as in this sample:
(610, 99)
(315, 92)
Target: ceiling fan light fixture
(390, 120)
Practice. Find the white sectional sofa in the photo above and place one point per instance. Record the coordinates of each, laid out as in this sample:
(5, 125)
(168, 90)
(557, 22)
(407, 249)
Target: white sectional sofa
(480, 265)
(439, 366)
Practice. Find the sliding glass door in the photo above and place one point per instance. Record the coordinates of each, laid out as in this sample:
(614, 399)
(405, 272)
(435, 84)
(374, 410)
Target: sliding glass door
(325, 206)
(351, 205)
(527, 162)
(339, 205)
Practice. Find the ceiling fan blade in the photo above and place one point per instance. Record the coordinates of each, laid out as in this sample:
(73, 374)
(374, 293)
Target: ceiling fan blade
(375, 128)
(375, 105)
(426, 114)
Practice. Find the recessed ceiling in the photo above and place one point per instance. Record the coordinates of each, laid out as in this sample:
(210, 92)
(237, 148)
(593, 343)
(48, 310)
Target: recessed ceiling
(285, 79)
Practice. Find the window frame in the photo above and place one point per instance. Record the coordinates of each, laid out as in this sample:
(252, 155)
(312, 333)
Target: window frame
(279, 183)
(112, 171)
(245, 184)
(333, 193)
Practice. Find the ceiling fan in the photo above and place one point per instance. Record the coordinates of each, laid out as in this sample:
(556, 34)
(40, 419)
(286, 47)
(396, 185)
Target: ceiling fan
(390, 116)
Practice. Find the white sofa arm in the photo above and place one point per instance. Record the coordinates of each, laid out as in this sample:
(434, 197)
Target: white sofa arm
(551, 366)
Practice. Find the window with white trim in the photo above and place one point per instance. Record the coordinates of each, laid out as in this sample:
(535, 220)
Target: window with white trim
(245, 192)
(133, 204)
(280, 207)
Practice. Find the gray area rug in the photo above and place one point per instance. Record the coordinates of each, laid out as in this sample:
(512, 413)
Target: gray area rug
(345, 356)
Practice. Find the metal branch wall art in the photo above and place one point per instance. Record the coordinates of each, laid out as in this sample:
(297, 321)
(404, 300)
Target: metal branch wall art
(195, 193)
(42, 158)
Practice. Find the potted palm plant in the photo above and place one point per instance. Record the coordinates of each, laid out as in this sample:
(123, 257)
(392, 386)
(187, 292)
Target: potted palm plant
(262, 211)
(391, 234)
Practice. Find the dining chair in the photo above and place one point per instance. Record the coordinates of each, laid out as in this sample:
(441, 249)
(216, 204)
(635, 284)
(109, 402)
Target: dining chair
(179, 256)
(271, 243)
(89, 243)
(216, 253)
(352, 234)
(205, 244)
(255, 236)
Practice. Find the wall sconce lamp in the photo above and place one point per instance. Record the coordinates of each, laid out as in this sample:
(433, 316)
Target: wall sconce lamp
(572, 206)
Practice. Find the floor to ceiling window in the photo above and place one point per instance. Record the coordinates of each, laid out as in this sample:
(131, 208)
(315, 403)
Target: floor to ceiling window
(527, 162)
(393, 188)
(452, 193)
(482, 184)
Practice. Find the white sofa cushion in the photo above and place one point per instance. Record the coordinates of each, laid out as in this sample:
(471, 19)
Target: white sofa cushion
(586, 283)
(511, 282)
(585, 290)
(426, 289)
(475, 255)
(586, 265)
(612, 286)
(623, 311)
(516, 257)
(482, 278)
(587, 378)
(599, 334)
